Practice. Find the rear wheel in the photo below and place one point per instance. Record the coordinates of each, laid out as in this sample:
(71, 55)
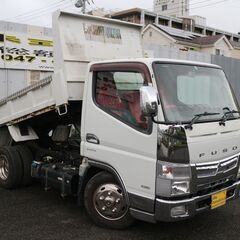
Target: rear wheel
(26, 159)
(10, 168)
(105, 202)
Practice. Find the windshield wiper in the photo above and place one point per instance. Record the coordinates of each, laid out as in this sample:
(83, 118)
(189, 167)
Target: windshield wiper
(197, 117)
(227, 115)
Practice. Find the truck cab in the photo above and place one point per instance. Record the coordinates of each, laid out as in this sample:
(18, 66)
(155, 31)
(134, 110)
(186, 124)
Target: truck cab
(172, 134)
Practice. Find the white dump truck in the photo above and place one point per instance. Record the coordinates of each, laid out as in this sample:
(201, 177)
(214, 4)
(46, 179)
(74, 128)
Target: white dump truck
(130, 137)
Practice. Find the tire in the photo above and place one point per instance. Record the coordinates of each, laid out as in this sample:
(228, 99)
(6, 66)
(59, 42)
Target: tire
(26, 159)
(10, 168)
(105, 202)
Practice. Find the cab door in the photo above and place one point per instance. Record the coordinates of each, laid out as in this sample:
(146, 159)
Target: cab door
(114, 131)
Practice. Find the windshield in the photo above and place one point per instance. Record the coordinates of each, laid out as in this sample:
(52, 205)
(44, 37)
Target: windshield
(187, 90)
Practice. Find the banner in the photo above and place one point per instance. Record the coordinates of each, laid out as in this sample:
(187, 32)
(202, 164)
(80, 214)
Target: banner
(19, 51)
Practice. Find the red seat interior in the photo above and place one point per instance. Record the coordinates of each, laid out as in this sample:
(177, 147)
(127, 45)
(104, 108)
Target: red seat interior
(106, 94)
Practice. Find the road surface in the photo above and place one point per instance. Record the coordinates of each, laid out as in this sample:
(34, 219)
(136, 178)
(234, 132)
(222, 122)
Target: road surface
(32, 214)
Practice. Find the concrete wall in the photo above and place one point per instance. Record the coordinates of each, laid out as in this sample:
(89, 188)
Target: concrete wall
(154, 50)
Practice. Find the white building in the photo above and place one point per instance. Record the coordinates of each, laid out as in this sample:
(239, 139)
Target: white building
(184, 41)
(174, 8)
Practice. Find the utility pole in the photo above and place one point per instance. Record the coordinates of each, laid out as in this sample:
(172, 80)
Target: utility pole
(182, 7)
(82, 4)
(84, 7)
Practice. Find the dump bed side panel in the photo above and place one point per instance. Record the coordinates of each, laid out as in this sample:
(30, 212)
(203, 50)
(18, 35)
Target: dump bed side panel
(80, 39)
(33, 100)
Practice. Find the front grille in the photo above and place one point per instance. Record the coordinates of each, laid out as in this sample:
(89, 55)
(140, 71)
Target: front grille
(215, 185)
(213, 169)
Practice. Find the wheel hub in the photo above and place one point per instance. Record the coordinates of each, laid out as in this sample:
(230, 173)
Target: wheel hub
(4, 167)
(109, 202)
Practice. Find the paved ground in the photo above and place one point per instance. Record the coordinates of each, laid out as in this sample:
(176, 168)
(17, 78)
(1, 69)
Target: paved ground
(31, 213)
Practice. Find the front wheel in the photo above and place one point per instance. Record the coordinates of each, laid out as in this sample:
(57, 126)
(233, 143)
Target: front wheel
(106, 203)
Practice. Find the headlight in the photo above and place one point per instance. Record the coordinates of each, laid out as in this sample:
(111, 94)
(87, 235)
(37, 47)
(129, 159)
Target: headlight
(173, 171)
(173, 179)
(180, 188)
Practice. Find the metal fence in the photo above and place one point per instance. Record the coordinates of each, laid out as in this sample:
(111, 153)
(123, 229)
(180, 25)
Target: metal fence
(231, 66)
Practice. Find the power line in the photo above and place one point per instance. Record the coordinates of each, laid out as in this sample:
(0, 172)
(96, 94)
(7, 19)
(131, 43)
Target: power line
(177, 6)
(172, 10)
(36, 10)
(45, 11)
(196, 3)
(211, 4)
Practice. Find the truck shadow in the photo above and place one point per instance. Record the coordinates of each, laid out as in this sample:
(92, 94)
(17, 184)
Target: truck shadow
(42, 213)
(219, 224)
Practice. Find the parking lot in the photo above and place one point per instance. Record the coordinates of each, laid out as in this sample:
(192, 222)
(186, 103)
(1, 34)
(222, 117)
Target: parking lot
(31, 214)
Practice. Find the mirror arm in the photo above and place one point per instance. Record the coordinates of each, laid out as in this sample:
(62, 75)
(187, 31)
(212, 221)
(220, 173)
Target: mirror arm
(157, 122)
(165, 123)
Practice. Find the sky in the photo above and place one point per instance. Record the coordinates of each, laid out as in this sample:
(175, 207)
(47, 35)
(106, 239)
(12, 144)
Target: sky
(221, 14)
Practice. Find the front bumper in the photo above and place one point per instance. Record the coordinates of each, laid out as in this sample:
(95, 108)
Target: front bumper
(193, 205)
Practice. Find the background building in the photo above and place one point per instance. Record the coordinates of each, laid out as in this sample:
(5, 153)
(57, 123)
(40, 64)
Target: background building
(174, 8)
(193, 27)
(155, 35)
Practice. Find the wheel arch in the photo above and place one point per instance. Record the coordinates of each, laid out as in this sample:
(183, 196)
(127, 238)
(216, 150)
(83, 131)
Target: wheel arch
(93, 168)
(5, 137)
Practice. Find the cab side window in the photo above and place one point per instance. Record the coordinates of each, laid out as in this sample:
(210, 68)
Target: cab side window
(118, 94)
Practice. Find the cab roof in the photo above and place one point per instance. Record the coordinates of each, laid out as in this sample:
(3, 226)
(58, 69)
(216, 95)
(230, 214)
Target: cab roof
(149, 61)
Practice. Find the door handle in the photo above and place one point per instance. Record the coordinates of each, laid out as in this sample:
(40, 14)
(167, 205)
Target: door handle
(91, 138)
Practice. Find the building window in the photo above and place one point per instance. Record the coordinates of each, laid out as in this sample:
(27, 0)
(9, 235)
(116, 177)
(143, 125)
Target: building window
(164, 7)
(218, 52)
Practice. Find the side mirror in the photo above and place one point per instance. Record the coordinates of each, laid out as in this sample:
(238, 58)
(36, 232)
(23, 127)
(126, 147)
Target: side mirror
(149, 101)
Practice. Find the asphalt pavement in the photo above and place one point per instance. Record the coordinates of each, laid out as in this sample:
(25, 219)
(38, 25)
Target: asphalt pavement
(32, 214)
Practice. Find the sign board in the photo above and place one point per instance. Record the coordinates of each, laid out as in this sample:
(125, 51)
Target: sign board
(20, 51)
